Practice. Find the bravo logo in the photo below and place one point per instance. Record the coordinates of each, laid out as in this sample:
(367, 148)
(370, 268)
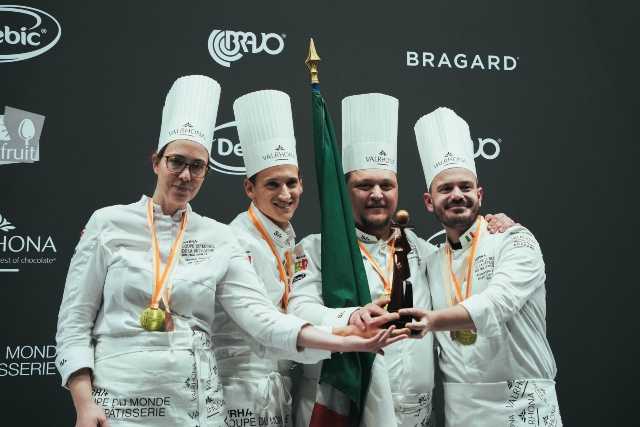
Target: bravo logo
(26, 32)
(227, 46)
(226, 152)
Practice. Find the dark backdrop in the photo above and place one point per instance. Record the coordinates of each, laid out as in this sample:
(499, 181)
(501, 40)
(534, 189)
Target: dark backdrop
(563, 119)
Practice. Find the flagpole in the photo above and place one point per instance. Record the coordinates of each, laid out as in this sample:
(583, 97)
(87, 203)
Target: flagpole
(312, 61)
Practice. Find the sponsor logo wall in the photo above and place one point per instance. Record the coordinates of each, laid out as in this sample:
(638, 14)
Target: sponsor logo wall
(20, 136)
(226, 155)
(19, 251)
(461, 61)
(101, 87)
(227, 46)
(26, 32)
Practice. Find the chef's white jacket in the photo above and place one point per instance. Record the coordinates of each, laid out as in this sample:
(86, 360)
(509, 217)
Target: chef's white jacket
(253, 382)
(109, 284)
(409, 363)
(508, 308)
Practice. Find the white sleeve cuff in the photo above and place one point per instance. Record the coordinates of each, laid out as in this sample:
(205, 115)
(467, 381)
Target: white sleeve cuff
(73, 359)
(288, 339)
(479, 308)
(337, 317)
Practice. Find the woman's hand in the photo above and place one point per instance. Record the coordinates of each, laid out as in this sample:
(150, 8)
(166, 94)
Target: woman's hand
(88, 414)
(311, 337)
(381, 339)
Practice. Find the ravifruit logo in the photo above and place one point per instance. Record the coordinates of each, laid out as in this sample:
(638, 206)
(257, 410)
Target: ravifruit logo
(227, 46)
(18, 250)
(20, 136)
(226, 152)
(26, 32)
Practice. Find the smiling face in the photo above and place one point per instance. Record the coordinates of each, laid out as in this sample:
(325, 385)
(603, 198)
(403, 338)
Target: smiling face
(175, 190)
(455, 198)
(276, 192)
(374, 199)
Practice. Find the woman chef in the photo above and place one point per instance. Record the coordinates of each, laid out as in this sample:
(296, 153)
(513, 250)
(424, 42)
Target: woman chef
(135, 321)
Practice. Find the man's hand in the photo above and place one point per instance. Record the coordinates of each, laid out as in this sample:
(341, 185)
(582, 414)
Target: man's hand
(363, 318)
(498, 223)
(421, 324)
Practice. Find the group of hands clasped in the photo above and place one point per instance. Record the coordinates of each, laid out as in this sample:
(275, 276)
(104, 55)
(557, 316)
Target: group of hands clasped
(369, 328)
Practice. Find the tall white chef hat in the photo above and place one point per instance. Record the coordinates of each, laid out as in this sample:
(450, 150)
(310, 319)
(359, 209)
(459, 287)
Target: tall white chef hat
(265, 127)
(444, 142)
(369, 132)
(190, 111)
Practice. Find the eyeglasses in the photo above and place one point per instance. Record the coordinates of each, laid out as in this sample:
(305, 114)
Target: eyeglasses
(176, 165)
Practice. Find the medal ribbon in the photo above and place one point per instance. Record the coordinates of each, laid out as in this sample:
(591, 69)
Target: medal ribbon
(285, 274)
(159, 279)
(387, 278)
(469, 273)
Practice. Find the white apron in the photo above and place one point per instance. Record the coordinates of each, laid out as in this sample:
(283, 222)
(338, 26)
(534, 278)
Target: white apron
(158, 379)
(413, 410)
(516, 403)
(256, 394)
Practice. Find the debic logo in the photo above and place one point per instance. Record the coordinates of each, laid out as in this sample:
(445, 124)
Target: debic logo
(226, 152)
(227, 46)
(26, 32)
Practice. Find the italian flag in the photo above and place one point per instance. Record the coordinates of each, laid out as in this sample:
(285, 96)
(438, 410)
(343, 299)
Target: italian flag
(345, 378)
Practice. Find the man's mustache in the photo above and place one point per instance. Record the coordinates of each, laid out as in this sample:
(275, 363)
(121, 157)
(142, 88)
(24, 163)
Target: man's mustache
(376, 205)
(461, 203)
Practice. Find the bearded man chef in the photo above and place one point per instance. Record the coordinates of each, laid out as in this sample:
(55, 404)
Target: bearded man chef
(256, 389)
(488, 295)
(405, 373)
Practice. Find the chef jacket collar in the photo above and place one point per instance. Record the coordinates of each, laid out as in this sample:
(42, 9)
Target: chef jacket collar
(466, 238)
(283, 238)
(370, 238)
(158, 210)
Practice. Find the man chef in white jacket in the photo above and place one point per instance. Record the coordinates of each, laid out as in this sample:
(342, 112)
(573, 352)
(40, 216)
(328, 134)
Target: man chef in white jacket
(256, 389)
(488, 295)
(369, 146)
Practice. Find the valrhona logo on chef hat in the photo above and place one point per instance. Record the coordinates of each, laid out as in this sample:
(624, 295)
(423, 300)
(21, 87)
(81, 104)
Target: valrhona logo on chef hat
(444, 142)
(265, 128)
(369, 132)
(190, 111)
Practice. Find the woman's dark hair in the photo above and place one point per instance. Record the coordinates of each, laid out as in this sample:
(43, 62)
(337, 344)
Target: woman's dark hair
(157, 156)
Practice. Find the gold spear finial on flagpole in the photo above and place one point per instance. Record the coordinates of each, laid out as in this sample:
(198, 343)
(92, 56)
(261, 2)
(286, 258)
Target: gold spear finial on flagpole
(312, 61)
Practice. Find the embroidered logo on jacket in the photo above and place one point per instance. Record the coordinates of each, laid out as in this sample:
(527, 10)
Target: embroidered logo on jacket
(196, 252)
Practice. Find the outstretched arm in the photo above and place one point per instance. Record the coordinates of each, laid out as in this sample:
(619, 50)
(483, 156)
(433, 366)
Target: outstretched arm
(447, 319)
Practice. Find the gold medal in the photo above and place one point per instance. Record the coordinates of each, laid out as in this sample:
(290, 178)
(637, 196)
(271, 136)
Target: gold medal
(152, 319)
(465, 336)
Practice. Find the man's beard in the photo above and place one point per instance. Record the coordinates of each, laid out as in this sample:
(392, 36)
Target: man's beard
(459, 222)
(373, 226)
